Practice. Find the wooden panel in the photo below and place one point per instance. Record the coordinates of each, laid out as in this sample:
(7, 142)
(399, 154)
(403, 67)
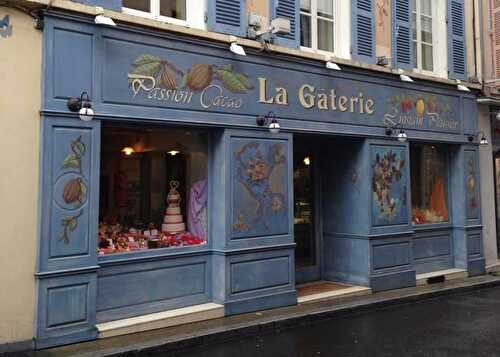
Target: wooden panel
(67, 304)
(259, 274)
(259, 187)
(472, 184)
(474, 244)
(432, 246)
(74, 61)
(391, 255)
(151, 285)
(70, 193)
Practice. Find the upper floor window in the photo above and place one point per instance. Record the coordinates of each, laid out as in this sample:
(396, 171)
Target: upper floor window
(428, 22)
(180, 12)
(421, 17)
(325, 26)
(316, 24)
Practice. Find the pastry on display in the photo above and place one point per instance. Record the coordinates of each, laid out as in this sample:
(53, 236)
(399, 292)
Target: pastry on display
(173, 221)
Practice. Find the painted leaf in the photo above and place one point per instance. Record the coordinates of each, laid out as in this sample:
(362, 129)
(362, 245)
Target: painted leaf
(71, 162)
(78, 148)
(72, 223)
(244, 79)
(84, 191)
(148, 69)
(184, 80)
(144, 59)
(231, 81)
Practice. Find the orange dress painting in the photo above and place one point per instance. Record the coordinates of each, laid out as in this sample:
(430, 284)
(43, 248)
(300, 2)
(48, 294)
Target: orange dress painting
(438, 199)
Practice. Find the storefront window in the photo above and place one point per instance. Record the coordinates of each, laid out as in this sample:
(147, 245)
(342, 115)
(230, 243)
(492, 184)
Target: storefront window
(153, 188)
(429, 183)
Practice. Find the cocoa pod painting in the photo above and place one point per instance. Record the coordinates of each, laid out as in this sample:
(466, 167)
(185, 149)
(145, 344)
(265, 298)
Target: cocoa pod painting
(74, 191)
(199, 77)
(74, 159)
(167, 79)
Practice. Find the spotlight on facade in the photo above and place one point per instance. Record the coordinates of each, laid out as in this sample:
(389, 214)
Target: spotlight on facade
(270, 120)
(403, 77)
(482, 141)
(100, 19)
(235, 48)
(401, 136)
(461, 87)
(82, 105)
(331, 65)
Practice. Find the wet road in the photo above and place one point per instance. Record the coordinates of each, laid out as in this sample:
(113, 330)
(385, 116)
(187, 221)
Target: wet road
(457, 325)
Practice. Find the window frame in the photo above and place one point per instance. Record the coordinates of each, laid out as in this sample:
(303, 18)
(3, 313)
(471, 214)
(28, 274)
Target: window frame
(439, 39)
(447, 161)
(192, 17)
(341, 29)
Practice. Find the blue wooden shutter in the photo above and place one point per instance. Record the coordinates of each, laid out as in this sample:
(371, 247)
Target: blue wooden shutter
(363, 30)
(288, 9)
(401, 34)
(456, 40)
(227, 16)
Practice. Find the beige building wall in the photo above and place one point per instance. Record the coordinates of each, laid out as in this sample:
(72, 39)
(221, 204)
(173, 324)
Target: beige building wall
(383, 28)
(487, 185)
(20, 95)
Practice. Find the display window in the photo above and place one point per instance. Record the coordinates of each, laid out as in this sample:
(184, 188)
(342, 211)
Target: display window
(429, 183)
(153, 188)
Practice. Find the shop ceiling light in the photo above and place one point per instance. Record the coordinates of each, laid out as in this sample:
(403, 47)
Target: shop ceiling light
(270, 120)
(173, 152)
(128, 150)
(307, 161)
(235, 48)
(100, 19)
(82, 105)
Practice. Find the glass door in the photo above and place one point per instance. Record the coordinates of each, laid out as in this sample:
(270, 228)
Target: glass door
(305, 212)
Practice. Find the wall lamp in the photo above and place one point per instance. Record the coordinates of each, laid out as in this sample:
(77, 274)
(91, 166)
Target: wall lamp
(461, 87)
(270, 120)
(82, 105)
(401, 136)
(483, 141)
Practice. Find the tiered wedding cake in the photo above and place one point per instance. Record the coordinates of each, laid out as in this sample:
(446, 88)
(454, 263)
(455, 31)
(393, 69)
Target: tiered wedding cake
(173, 221)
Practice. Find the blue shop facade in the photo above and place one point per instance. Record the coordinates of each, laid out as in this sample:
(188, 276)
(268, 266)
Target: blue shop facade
(174, 195)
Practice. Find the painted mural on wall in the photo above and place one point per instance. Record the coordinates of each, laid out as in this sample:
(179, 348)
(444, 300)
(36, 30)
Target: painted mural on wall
(71, 190)
(420, 110)
(471, 185)
(161, 77)
(389, 186)
(259, 187)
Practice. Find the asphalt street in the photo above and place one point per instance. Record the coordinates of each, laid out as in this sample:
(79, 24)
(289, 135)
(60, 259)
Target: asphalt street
(455, 325)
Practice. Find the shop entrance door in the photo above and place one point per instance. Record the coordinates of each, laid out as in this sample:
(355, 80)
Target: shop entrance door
(306, 218)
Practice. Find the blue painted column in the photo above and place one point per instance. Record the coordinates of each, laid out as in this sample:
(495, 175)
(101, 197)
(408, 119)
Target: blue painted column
(67, 259)
(252, 224)
(367, 233)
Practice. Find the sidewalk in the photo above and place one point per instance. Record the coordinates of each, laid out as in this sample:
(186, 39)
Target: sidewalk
(176, 338)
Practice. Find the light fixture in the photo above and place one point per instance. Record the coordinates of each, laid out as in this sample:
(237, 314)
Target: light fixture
(497, 116)
(128, 150)
(307, 161)
(173, 152)
(235, 48)
(403, 77)
(270, 120)
(82, 105)
(461, 87)
(100, 19)
(483, 141)
(331, 65)
(401, 136)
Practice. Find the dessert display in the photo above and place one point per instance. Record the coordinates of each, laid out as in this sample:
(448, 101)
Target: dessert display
(173, 221)
(116, 238)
